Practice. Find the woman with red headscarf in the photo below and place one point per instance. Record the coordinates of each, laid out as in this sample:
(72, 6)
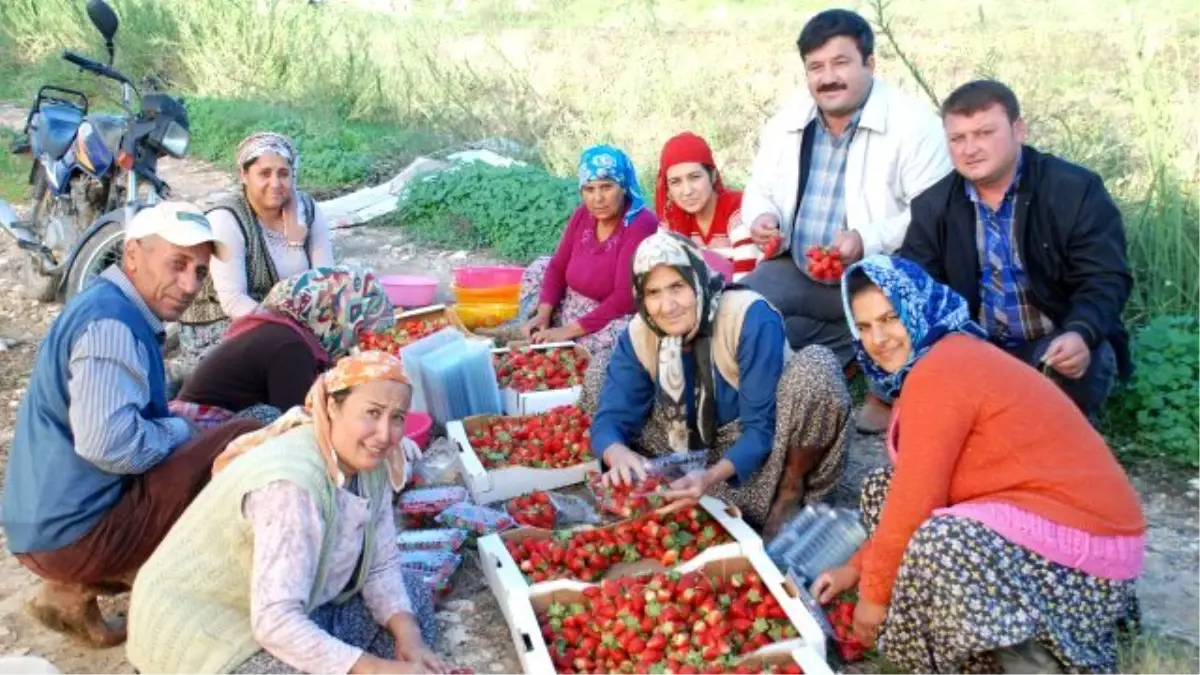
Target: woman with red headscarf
(691, 200)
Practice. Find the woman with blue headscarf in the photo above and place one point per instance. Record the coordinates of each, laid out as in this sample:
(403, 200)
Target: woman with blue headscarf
(1005, 537)
(583, 292)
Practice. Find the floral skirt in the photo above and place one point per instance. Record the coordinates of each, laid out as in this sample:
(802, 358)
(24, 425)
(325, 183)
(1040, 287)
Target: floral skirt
(812, 431)
(964, 591)
(351, 623)
(573, 306)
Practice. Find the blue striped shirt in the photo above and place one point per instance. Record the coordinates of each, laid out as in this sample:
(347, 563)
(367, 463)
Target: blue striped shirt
(822, 213)
(1006, 310)
(109, 387)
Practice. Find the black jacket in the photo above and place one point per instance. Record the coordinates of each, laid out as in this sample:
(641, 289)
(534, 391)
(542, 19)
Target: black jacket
(1070, 237)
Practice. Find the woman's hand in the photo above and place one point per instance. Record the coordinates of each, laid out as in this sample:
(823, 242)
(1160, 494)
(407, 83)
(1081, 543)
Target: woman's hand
(832, 583)
(564, 334)
(424, 658)
(539, 322)
(693, 485)
(372, 665)
(623, 465)
(868, 617)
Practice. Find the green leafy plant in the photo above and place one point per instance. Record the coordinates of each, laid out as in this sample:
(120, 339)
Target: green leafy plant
(1158, 410)
(518, 212)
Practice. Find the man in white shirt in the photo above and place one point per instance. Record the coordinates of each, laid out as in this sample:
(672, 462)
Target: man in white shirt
(837, 166)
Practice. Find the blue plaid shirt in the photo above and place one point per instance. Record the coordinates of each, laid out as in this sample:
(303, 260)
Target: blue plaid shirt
(1006, 309)
(822, 211)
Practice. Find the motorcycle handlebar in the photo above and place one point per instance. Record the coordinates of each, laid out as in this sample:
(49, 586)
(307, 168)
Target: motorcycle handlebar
(93, 66)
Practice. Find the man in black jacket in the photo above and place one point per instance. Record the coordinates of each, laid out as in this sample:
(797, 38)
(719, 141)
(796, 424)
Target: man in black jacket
(1034, 243)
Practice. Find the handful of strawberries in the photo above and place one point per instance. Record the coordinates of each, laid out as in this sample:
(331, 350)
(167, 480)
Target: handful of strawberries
(628, 501)
(841, 615)
(824, 263)
(535, 509)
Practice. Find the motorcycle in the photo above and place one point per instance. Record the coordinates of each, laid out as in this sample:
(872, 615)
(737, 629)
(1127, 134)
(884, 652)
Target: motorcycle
(86, 172)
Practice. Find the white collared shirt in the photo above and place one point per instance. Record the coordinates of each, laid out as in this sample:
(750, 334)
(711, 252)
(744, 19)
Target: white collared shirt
(898, 152)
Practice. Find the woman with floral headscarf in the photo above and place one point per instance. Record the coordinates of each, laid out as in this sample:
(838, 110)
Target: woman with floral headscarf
(582, 292)
(273, 230)
(703, 367)
(287, 560)
(1005, 537)
(272, 355)
(692, 200)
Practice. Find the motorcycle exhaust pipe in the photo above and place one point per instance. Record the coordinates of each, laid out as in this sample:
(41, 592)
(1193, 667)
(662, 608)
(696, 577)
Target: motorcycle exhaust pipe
(26, 240)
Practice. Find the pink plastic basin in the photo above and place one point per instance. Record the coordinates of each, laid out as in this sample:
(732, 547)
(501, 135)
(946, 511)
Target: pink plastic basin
(418, 426)
(407, 290)
(488, 277)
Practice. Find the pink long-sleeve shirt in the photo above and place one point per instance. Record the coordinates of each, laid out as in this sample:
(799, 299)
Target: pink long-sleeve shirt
(595, 269)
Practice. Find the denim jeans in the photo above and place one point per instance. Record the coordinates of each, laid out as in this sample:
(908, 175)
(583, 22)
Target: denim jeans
(1088, 392)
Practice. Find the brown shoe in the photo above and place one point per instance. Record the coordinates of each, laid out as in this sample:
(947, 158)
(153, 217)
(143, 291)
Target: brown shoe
(72, 608)
(874, 416)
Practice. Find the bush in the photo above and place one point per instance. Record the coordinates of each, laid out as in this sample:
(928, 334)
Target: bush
(1158, 410)
(519, 212)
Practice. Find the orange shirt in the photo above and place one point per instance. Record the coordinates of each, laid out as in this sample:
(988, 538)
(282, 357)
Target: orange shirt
(978, 425)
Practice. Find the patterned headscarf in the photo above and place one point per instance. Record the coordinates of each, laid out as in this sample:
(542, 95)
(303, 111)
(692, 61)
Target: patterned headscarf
(604, 162)
(929, 311)
(337, 304)
(679, 253)
(347, 374)
(255, 145)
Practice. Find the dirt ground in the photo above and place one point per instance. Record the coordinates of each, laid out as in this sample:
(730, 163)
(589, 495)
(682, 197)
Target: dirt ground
(472, 629)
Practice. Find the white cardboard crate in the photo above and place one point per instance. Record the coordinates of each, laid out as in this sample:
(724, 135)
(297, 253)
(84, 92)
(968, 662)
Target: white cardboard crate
(520, 608)
(500, 484)
(533, 402)
(506, 581)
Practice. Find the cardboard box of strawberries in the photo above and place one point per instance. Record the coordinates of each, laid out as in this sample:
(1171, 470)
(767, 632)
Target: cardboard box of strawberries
(503, 456)
(535, 378)
(723, 616)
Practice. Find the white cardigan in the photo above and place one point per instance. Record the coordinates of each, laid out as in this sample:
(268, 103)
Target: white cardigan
(898, 152)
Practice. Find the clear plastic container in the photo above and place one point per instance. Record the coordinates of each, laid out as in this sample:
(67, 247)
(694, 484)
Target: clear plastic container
(413, 357)
(676, 465)
(478, 520)
(441, 539)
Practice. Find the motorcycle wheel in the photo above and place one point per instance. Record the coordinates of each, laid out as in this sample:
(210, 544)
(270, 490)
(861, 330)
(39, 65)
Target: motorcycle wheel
(102, 249)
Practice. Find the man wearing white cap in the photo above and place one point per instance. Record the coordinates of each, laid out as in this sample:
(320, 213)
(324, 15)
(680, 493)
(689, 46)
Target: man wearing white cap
(99, 469)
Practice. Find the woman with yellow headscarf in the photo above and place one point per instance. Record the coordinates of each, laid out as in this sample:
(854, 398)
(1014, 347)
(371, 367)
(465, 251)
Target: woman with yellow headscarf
(287, 561)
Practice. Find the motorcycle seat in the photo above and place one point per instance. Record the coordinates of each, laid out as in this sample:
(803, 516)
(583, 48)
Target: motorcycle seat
(55, 126)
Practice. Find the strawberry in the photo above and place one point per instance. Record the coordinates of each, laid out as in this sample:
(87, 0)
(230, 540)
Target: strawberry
(535, 510)
(824, 263)
(526, 369)
(556, 439)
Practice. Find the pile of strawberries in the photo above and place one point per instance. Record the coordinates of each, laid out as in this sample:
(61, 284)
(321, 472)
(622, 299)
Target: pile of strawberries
(824, 263)
(401, 335)
(526, 370)
(627, 501)
(841, 615)
(535, 509)
(587, 554)
(555, 439)
(666, 623)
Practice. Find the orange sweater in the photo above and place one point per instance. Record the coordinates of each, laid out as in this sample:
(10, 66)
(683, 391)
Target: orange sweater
(977, 425)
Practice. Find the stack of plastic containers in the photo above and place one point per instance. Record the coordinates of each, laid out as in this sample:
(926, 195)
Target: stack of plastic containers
(486, 296)
(458, 380)
(818, 538)
(413, 356)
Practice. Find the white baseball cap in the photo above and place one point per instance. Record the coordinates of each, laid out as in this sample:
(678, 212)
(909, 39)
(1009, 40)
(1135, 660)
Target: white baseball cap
(180, 223)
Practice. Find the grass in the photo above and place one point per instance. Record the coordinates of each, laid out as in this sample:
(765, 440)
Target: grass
(14, 171)
(1110, 85)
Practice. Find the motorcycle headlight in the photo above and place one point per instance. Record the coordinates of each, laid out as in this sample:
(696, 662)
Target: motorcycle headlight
(172, 138)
